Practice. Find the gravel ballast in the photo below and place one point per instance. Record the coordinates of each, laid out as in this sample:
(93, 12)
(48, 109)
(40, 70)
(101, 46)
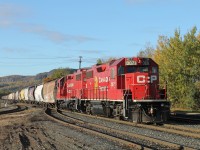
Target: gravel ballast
(177, 139)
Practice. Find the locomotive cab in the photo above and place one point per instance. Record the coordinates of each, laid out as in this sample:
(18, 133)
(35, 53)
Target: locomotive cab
(142, 79)
(142, 99)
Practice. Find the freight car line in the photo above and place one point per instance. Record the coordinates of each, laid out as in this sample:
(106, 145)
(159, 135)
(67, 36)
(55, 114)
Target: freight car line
(17, 108)
(102, 135)
(194, 133)
(126, 135)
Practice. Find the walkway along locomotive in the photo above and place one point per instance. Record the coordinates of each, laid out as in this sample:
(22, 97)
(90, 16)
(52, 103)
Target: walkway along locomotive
(126, 88)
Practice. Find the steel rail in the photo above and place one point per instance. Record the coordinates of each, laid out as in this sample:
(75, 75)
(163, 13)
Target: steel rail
(190, 130)
(93, 132)
(181, 118)
(18, 108)
(164, 128)
(130, 135)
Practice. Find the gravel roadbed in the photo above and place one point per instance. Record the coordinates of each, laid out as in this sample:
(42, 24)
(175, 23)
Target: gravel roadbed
(144, 143)
(32, 129)
(186, 125)
(177, 139)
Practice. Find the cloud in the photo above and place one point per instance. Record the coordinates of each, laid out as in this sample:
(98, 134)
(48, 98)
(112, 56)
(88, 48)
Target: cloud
(11, 11)
(5, 22)
(10, 14)
(54, 36)
(43, 32)
(11, 50)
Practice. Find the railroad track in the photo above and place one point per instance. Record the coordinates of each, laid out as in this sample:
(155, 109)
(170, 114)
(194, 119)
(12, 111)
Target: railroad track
(131, 140)
(13, 109)
(184, 119)
(183, 131)
(77, 125)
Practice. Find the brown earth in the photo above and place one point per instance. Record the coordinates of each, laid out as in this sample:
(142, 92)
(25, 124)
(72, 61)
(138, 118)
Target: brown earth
(32, 129)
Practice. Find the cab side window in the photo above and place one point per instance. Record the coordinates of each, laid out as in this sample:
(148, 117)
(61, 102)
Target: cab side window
(112, 73)
(120, 70)
(154, 70)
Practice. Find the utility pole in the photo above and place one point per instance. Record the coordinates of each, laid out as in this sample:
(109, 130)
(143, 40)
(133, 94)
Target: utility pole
(80, 57)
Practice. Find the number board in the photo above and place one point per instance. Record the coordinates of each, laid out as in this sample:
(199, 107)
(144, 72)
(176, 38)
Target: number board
(130, 62)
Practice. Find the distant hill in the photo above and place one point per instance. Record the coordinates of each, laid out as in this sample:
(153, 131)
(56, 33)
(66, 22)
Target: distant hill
(14, 78)
(13, 83)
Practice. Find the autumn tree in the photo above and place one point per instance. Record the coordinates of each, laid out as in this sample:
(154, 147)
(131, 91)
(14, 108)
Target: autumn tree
(99, 61)
(58, 73)
(147, 52)
(106, 60)
(178, 59)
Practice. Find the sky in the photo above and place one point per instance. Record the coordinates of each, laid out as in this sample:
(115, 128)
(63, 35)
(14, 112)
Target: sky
(41, 35)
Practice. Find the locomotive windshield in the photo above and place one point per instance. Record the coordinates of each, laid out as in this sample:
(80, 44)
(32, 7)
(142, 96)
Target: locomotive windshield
(143, 69)
(120, 70)
(133, 69)
(154, 69)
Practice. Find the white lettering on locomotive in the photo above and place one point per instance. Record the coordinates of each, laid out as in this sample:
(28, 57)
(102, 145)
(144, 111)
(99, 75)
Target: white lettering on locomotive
(69, 91)
(153, 78)
(103, 88)
(70, 85)
(113, 84)
(103, 79)
(142, 79)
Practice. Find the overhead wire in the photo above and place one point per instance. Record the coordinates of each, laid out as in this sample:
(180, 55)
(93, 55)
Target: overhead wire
(33, 57)
(63, 60)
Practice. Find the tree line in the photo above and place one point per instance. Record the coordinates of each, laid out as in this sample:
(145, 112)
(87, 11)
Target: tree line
(178, 58)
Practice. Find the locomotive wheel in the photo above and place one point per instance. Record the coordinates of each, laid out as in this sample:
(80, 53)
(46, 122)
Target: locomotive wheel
(89, 109)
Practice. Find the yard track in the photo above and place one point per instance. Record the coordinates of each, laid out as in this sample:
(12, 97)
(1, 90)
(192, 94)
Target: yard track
(76, 124)
(187, 119)
(12, 109)
(183, 131)
(119, 136)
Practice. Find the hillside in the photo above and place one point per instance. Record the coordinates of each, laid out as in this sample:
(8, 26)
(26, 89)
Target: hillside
(13, 83)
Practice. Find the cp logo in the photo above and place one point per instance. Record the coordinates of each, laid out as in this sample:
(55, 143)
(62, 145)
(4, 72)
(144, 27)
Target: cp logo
(142, 79)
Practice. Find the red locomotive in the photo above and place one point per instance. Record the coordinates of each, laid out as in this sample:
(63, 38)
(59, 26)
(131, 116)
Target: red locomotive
(127, 88)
